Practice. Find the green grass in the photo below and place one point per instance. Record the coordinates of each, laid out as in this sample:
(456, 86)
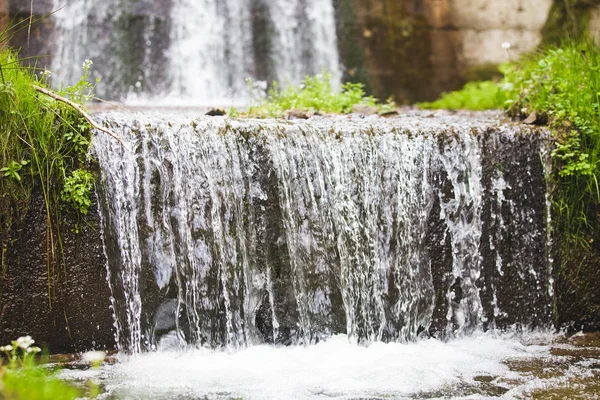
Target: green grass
(314, 95)
(35, 383)
(477, 96)
(23, 379)
(42, 144)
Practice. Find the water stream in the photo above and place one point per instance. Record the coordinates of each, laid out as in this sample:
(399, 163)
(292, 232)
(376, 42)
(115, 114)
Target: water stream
(342, 257)
(231, 233)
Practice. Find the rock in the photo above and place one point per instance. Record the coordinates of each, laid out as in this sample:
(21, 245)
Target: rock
(216, 112)
(166, 315)
(531, 119)
(365, 109)
(389, 114)
(298, 114)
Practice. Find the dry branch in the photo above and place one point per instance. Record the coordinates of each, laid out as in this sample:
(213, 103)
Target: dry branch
(80, 111)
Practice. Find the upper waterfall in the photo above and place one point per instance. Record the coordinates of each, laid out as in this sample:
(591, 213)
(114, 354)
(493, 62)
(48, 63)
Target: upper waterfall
(193, 52)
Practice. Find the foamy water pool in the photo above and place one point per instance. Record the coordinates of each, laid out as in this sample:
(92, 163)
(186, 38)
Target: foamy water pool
(478, 367)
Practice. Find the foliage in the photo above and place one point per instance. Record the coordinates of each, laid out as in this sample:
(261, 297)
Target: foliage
(562, 86)
(42, 143)
(315, 94)
(77, 189)
(20, 352)
(23, 379)
(483, 95)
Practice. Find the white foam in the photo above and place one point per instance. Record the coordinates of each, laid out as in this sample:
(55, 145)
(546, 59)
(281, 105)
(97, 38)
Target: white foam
(331, 369)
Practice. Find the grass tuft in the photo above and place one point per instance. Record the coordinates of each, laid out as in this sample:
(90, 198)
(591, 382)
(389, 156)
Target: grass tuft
(314, 95)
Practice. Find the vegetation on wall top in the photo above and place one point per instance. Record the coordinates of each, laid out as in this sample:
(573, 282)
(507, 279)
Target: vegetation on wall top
(314, 95)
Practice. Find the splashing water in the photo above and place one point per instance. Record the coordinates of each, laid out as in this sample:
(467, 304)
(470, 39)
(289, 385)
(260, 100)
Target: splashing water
(231, 233)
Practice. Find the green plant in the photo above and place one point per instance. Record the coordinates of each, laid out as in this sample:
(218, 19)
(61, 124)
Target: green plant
(484, 95)
(561, 86)
(315, 94)
(13, 168)
(20, 352)
(23, 379)
(77, 189)
(82, 91)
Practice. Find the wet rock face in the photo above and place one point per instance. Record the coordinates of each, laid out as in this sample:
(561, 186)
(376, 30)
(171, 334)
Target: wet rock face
(68, 311)
(578, 286)
(230, 232)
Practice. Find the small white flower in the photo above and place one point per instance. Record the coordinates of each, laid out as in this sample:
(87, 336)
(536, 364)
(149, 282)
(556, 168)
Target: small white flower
(6, 348)
(87, 63)
(506, 45)
(93, 357)
(33, 350)
(25, 342)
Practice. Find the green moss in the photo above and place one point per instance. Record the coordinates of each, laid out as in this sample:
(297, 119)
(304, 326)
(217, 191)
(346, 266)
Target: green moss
(485, 72)
(387, 47)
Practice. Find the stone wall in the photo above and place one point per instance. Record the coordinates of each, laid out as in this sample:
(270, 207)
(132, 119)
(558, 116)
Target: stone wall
(3, 15)
(65, 307)
(415, 49)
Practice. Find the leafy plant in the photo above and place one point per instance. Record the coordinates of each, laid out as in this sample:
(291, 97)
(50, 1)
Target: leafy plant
(315, 94)
(54, 139)
(13, 168)
(561, 86)
(77, 190)
(23, 379)
(20, 352)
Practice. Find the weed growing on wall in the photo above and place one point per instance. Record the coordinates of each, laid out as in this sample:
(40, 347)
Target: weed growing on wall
(315, 94)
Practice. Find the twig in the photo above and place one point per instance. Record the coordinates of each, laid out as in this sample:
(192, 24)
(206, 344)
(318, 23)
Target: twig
(29, 24)
(82, 112)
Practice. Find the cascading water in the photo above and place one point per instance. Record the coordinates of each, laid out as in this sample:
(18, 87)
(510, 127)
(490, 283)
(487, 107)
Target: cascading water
(197, 52)
(222, 232)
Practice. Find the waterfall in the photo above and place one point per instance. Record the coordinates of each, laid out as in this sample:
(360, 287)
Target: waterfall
(224, 232)
(196, 52)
